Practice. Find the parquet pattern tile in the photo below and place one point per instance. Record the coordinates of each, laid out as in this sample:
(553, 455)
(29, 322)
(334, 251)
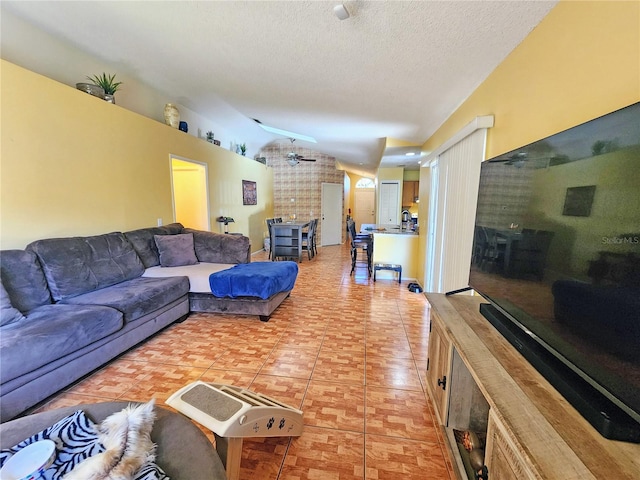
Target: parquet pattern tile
(387, 371)
(333, 405)
(322, 453)
(399, 413)
(340, 367)
(290, 362)
(394, 458)
(350, 353)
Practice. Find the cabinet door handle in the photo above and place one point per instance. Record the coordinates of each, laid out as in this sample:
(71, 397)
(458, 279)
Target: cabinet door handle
(443, 383)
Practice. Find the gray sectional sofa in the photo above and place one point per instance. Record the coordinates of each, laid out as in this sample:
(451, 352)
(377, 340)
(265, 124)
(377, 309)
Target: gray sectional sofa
(69, 305)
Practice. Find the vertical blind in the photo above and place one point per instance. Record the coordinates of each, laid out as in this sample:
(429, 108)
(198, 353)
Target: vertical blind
(456, 185)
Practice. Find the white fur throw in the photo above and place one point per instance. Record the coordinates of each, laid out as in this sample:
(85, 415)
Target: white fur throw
(126, 437)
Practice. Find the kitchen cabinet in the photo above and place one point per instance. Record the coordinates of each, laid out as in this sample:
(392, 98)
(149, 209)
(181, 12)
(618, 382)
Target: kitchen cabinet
(410, 191)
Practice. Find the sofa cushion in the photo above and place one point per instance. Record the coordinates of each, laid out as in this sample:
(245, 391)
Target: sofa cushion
(176, 250)
(213, 247)
(77, 265)
(50, 332)
(136, 297)
(8, 313)
(23, 278)
(144, 244)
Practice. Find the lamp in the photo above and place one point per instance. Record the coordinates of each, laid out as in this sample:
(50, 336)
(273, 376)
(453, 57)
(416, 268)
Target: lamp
(226, 221)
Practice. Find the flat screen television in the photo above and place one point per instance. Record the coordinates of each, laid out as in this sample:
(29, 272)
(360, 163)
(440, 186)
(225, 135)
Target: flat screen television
(557, 255)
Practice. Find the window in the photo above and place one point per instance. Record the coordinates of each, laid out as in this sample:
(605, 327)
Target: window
(365, 183)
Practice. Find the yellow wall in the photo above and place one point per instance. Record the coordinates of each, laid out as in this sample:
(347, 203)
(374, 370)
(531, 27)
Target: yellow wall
(72, 164)
(582, 61)
(394, 173)
(411, 175)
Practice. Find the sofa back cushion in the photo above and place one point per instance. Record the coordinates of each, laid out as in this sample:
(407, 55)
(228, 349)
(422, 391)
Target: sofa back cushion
(213, 247)
(79, 265)
(23, 279)
(145, 245)
(8, 313)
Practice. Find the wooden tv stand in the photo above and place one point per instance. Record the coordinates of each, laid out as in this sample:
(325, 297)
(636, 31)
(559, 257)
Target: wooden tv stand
(532, 431)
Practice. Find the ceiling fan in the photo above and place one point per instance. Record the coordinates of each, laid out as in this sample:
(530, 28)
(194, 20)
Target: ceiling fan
(522, 159)
(517, 160)
(294, 159)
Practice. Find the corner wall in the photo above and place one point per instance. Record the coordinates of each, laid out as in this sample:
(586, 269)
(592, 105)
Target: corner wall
(582, 61)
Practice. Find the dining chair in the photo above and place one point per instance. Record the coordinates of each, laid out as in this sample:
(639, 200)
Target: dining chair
(308, 239)
(363, 242)
(270, 221)
(315, 236)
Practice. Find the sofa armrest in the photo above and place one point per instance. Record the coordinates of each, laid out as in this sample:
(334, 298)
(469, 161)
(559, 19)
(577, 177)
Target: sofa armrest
(213, 247)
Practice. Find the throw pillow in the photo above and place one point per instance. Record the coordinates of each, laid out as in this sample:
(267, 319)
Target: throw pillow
(8, 313)
(176, 250)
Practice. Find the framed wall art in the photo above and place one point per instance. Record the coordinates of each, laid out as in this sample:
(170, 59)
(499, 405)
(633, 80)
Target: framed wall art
(578, 201)
(249, 193)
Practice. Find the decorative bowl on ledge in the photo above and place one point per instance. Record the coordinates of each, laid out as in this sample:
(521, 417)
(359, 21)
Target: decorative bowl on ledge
(91, 89)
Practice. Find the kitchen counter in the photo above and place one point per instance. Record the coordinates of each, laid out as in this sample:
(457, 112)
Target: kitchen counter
(386, 229)
(396, 247)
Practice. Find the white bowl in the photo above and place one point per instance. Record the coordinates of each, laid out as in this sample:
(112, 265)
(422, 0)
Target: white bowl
(30, 462)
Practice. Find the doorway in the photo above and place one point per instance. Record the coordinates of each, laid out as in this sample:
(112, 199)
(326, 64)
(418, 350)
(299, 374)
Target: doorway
(331, 232)
(190, 188)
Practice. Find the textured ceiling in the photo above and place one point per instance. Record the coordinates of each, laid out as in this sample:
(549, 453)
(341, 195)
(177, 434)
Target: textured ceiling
(393, 69)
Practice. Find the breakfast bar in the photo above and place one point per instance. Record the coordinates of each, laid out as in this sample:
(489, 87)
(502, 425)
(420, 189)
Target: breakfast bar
(394, 246)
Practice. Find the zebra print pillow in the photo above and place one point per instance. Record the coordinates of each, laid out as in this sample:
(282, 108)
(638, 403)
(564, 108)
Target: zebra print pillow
(76, 439)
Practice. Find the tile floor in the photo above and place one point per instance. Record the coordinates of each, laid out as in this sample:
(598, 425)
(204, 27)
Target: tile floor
(350, 353)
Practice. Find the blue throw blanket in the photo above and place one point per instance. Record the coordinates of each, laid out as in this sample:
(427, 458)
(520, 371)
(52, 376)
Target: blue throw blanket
(256, 279)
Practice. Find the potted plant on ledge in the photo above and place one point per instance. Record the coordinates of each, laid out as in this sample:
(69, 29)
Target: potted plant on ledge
(108, 84)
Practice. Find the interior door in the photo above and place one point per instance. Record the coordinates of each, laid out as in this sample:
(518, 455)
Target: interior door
(364, 207)
(331, 216)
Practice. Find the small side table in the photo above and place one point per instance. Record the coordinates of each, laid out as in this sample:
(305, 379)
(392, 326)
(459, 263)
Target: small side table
(387, 266)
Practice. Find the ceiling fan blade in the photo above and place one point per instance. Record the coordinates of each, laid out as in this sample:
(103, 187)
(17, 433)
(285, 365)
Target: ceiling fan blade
(306, 159)
(513, 158)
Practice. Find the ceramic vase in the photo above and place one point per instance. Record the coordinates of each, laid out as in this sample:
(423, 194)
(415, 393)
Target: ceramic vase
(171, 115)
